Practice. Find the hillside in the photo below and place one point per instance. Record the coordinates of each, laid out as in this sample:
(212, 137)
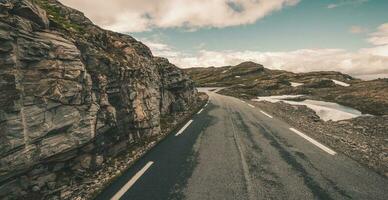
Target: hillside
(249, 80)
(73, 96)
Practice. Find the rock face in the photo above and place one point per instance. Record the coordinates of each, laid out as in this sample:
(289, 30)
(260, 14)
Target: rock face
(72, 93)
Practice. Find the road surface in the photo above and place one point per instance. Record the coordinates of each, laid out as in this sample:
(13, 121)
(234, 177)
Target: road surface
(233, 150)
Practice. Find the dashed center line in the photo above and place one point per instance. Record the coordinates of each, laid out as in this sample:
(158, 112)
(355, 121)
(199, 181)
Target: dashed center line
(251, 105)
(130, 183)
(316, 143)
(184, 128)
(266, 114)
(200, 111)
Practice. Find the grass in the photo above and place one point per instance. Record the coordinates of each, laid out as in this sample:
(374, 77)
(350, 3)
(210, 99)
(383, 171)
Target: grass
(54, 14)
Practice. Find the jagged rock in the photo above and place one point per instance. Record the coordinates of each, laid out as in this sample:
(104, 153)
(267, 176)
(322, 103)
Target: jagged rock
(28, 10)
(71, 88)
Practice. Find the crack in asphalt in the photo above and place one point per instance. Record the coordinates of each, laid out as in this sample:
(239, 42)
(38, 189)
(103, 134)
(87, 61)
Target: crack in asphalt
(258, 162)
(309, 181)
(247, 176)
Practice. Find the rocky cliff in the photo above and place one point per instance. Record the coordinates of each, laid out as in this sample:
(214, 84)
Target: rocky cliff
(73, 94)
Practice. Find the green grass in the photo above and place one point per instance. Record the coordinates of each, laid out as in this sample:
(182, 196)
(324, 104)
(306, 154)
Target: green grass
(54, 14)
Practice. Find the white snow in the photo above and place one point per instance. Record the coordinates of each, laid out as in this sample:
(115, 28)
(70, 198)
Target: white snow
(211, 89)
(295, 84)
(341, 83)
(274, 99)
(223, 72)
(237, 76)
(325, 110)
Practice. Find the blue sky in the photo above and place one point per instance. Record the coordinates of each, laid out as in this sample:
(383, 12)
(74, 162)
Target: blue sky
(350, 36)
(309, 24)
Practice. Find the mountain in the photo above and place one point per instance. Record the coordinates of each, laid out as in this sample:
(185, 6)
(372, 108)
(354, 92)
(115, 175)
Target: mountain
(249, 80)
(73, 94)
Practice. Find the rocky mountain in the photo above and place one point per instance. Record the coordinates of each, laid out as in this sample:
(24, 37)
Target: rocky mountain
(73, 94)
(249, 80)
(249, 73)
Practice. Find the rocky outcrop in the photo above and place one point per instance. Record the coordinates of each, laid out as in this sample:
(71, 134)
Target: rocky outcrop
(72, 93)
(249, 80)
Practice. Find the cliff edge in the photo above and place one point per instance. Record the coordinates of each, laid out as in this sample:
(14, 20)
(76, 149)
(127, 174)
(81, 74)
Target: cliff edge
(73, 94)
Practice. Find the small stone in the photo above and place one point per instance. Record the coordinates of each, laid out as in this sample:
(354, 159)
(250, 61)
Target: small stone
(99, 160)
(51, 185)
(35, 188)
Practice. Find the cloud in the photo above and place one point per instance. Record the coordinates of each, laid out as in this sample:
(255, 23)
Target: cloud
(380, 40)
(360, 64)
(346, 3)
(357, 29)
(365, 63)
(380, 37)
(302, 60)
(162, 50)
(143, 15)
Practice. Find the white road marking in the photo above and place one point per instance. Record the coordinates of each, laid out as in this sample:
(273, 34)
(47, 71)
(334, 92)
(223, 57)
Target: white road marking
(200, 111)
(242, 101)
(184, 128)
(316, 143)
(130, 183)
(251, 105)
(266, 114)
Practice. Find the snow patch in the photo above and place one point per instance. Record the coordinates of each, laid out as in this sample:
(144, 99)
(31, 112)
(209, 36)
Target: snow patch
(237, 76)
(325, 110)
(341, 83)
(295, 84)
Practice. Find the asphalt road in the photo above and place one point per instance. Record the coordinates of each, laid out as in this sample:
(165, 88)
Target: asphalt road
(232, 150)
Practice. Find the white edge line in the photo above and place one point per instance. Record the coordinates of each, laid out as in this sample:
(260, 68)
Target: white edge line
(251, 105)
(266, 114)
(184, 128)
(130, 183)
(316, 143)
(200, 111)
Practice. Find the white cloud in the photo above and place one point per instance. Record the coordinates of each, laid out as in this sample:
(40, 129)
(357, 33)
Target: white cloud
(357, 29)
(142, 15)
(162, 50)
(346, 3)
(380, 40)
(381, 50)
(302, 60)
(366, 63)
(330, 6)
(360, 64)
(380, 37)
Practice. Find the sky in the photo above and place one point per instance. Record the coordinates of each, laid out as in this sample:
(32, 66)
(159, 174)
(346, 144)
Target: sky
(350, 36)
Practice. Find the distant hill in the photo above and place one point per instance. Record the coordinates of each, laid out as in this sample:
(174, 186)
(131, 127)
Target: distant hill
(249, 73)
(249, 80)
